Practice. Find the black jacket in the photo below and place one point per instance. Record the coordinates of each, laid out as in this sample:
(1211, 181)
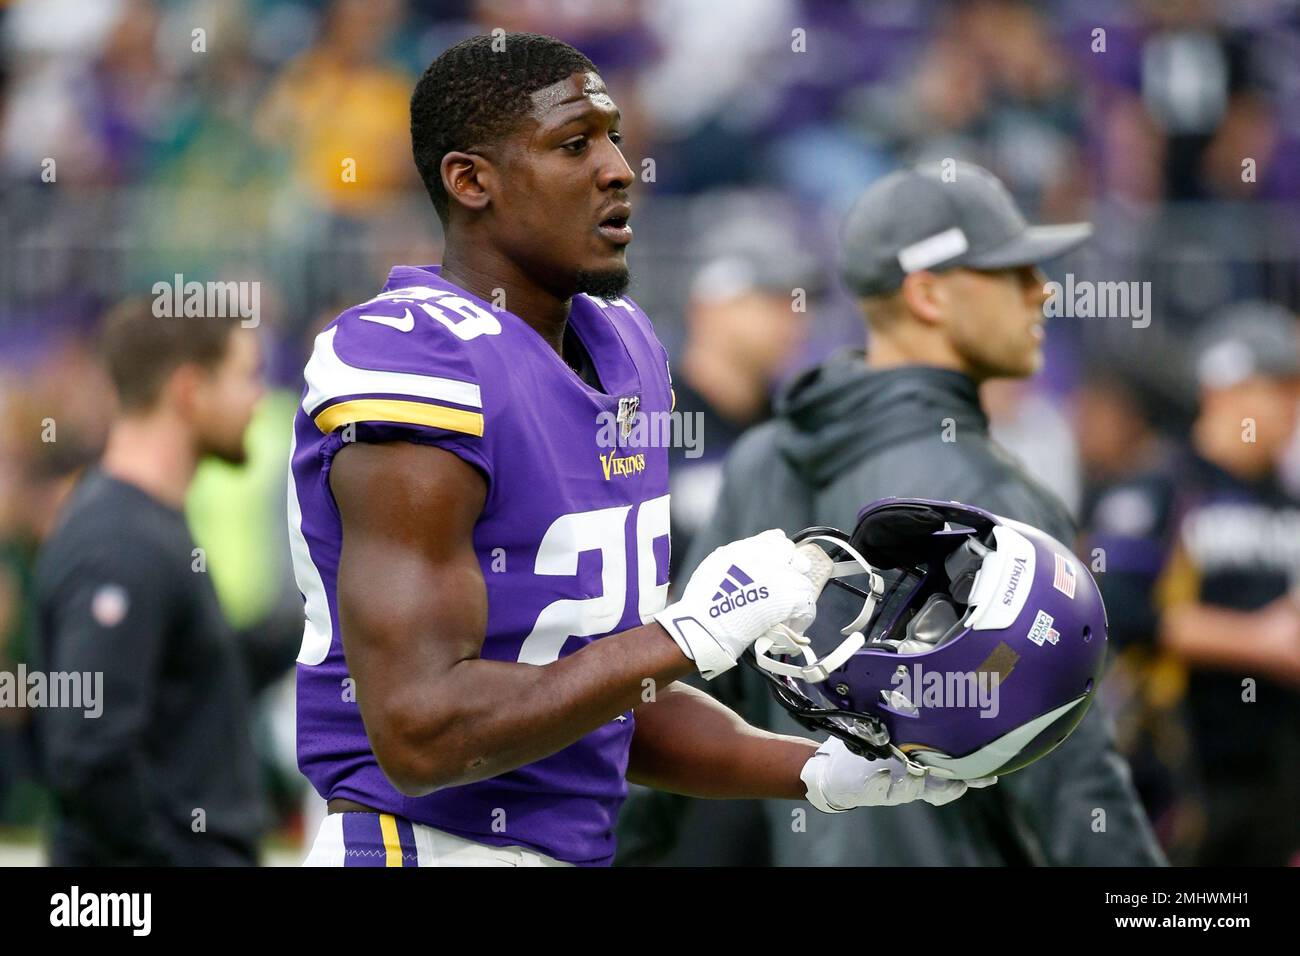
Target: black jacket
(845, 436)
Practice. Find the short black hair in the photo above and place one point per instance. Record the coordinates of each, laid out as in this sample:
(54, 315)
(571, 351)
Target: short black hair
(477, 92)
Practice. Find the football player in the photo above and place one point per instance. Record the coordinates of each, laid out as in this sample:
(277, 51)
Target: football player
(481, 542)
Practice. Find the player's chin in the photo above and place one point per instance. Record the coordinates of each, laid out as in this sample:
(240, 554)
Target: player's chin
(605, 280)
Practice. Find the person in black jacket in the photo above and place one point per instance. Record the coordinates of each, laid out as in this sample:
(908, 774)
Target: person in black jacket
(945, 268)
(1227, 594)
(166, 773)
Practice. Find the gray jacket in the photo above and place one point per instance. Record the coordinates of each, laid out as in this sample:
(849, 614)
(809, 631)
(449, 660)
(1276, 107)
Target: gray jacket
(845, 436)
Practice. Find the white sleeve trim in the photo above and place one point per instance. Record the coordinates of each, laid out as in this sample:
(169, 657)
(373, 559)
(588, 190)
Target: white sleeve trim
(329, 378)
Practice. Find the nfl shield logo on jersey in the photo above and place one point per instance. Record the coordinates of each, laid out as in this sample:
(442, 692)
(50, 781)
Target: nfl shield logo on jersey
(627, 408)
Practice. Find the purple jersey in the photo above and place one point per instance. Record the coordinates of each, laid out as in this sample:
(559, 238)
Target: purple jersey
(572, 541)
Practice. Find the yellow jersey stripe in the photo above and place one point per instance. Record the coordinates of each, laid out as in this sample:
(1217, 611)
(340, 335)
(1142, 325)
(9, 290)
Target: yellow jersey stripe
(392, 842)
(329, 377)
(395, 410)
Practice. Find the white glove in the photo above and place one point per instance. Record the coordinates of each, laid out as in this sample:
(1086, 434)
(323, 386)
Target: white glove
(735, 596)
(838, 779)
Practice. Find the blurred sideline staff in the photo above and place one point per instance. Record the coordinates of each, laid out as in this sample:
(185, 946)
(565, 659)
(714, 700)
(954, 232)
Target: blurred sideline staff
(1229, 591)
(167, 774)
(1131, 472)
(746, 319)
(945, 270)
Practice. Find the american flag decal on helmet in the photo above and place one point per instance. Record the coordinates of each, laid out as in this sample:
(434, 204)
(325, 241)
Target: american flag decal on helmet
(1064, 580)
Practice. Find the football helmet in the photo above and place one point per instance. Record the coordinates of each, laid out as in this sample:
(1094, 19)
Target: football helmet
(968, 644)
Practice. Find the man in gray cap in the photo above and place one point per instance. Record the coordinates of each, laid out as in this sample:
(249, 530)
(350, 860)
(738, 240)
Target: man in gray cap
(1228, 593)
(945, 269)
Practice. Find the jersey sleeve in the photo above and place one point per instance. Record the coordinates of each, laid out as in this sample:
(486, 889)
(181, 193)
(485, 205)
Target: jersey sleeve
(387, 372)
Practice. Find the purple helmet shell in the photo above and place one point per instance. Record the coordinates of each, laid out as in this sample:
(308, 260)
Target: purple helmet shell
(983, 650)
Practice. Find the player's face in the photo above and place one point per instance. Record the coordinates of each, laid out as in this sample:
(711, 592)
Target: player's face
(225, 398)
(561, 208)
(996, 320)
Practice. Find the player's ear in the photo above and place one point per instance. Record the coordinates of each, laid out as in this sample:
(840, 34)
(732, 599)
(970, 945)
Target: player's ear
(464, 180)
(923, 294)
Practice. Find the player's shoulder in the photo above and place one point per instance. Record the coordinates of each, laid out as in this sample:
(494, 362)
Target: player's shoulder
(418, 340)
(416, 312)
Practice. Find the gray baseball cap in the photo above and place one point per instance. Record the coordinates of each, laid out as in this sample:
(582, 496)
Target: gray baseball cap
(1246, 340)
(916, 219)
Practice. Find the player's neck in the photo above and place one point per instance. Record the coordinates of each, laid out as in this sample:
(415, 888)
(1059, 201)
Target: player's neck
(155, 454)
(497, 281)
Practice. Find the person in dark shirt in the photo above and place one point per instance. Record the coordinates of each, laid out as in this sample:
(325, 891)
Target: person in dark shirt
(166, 774)
(1228, 591)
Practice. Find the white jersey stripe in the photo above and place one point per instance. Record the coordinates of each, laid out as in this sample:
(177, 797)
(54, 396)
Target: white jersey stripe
(330, 378)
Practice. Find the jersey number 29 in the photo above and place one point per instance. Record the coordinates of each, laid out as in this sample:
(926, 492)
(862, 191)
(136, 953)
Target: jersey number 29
(602, 530)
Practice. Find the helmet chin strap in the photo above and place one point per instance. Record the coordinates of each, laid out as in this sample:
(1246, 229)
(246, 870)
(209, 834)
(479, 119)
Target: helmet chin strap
(785, 642)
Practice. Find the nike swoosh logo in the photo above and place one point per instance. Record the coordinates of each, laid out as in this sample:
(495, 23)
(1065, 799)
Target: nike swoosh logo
(404, 324)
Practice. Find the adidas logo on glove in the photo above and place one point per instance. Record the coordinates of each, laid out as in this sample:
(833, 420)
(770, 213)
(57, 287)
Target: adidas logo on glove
(734, 592)
(775, 588)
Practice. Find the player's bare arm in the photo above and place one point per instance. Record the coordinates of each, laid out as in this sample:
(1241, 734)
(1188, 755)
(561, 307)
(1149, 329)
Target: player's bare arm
(687, 742)
(413, 610)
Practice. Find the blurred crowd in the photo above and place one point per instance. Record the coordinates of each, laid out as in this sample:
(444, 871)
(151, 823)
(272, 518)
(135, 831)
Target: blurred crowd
(267, 141)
